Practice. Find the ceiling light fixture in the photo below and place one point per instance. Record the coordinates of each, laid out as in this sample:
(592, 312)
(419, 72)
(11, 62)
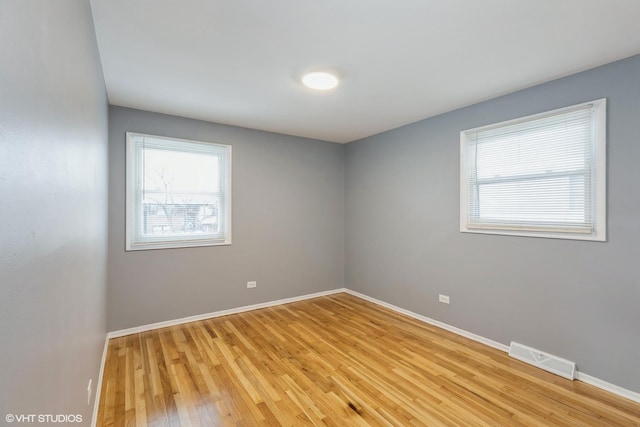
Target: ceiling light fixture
(320, 80)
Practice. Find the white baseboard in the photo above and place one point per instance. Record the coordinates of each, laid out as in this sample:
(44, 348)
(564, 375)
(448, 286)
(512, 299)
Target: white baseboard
(580, 376)
(96, 398)
(158, 325)
(433, 322)
(612, 388)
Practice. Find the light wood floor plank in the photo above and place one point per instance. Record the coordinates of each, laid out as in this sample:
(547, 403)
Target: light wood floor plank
(335, 361)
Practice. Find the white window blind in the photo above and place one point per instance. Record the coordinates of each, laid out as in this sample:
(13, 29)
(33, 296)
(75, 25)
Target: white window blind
(540, 175)
(178, 193)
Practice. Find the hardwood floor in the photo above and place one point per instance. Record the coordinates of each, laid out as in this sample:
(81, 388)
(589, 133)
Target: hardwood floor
(336, 361)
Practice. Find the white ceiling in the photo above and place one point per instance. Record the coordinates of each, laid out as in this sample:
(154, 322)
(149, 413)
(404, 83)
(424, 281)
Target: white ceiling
(239, 62)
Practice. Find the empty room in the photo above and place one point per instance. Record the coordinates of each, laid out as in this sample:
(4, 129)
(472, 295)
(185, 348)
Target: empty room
(341, 213)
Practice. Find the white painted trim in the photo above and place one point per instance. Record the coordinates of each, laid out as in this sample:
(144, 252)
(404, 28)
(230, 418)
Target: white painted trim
(433, 322)
(580, 376)
(611, 388)
(152, 326)
(96, 395)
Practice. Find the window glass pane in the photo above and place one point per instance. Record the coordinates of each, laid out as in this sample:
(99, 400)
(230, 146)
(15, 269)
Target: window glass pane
(180, 172)
(180, 193)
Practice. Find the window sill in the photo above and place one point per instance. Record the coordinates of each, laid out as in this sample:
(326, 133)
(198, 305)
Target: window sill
(175, 244)
(594, 237)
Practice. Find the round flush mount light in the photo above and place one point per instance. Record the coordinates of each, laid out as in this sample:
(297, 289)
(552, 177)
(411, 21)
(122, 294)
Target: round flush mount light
(320, 80)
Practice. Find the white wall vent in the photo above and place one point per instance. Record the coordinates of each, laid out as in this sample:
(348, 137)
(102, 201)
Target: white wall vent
(542, 360)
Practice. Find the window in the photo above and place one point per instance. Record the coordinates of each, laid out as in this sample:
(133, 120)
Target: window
(178, 193)
(542, 175)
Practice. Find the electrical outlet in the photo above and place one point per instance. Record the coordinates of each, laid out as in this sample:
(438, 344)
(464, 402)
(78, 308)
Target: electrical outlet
(252, 284)
(444, 299)
(89, 392)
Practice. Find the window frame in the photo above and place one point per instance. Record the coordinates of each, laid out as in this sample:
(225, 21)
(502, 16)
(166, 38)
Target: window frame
(598, 181)
(132, 205)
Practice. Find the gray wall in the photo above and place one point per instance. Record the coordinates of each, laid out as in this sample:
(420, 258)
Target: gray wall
(288, 226)
(579, 300)
(53, 215)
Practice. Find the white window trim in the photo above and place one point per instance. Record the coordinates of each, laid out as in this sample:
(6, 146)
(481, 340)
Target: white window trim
(599, 167)
(130, 182)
